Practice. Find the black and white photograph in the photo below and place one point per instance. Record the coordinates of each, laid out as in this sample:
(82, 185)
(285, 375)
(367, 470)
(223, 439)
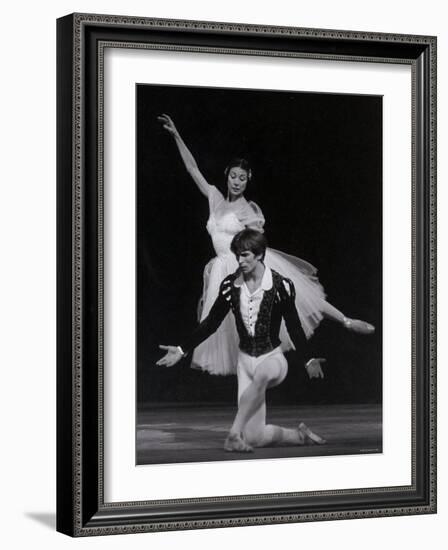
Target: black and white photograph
(222, 238)
(258, 274)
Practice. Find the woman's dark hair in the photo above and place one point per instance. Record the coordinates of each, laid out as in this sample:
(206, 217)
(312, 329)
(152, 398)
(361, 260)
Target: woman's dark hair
(249, 239)
(239, 163)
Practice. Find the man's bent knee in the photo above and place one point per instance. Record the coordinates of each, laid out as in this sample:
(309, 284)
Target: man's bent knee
(254, 436)
(262, 381)
(272, 371)
(264, 436)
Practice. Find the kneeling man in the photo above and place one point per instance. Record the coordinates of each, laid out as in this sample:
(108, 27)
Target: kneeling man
(260, 298)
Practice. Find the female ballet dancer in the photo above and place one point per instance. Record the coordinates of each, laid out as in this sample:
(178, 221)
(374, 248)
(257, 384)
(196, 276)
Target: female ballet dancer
(228, 216)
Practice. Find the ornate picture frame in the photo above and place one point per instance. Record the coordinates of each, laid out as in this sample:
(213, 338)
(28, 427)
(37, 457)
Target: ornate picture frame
(82, 509)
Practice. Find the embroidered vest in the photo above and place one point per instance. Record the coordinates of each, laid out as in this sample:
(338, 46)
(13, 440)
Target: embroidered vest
(264, 339)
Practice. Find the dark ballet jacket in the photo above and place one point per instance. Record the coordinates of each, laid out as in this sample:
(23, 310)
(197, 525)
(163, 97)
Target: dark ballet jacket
(277, 304)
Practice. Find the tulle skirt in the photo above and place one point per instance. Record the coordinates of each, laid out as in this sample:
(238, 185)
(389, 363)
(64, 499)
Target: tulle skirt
(218, 354)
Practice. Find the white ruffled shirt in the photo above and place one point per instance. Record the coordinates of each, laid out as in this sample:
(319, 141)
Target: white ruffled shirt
(250, 301)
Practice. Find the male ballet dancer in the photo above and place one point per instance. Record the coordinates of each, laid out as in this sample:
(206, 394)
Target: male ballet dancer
(259, 299)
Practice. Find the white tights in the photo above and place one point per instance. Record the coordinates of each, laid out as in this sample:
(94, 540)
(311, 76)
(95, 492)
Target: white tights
(255, 376)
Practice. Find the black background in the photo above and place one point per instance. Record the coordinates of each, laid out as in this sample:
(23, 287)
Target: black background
(317, 175)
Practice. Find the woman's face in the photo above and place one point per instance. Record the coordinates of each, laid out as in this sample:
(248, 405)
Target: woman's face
(236, 182)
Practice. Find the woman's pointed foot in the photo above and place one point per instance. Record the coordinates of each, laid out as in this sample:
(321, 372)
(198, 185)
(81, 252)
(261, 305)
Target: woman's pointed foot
(309, 437)
(235, 443)
(356, 325)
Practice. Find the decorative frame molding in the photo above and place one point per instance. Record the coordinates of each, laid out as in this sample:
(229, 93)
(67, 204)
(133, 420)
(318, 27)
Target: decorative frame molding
(81, 42)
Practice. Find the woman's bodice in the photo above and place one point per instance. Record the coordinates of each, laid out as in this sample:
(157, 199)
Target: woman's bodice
(222, 229)
(227, 219)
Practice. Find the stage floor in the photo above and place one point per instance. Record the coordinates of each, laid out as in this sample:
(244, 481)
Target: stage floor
(196, 434)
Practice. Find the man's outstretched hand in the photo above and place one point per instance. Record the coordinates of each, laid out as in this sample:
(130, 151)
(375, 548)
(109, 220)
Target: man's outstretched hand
(314, 368)
(171, 357)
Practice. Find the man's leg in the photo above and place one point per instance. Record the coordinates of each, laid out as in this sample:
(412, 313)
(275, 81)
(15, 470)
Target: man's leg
(254, 378)
(245, 366)
(271, 435)
(267, 374)
(256, 431)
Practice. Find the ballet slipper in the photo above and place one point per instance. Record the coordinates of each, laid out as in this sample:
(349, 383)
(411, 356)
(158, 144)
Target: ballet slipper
(309, 437)
(356, 325)
(235, 443)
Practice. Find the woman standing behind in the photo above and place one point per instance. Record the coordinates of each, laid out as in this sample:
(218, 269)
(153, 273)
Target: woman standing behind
(228, 216)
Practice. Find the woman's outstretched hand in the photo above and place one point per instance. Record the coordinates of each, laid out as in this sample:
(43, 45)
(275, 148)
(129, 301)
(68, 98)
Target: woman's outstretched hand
(168, 124)
(172, 356)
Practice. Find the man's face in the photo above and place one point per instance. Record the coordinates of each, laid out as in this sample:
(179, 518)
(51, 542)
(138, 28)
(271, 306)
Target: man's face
(248, 261)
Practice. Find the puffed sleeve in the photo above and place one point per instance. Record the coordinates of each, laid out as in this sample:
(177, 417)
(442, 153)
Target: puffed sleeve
(252, 216)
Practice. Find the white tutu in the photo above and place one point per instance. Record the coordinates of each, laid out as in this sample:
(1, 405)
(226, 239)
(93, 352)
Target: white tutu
(218, 354)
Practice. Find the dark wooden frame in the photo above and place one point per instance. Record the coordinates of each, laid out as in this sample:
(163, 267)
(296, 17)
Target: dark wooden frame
(81, 510)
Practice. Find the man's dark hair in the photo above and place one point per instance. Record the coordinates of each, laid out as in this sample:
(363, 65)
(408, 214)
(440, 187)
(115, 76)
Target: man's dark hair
(249, 239)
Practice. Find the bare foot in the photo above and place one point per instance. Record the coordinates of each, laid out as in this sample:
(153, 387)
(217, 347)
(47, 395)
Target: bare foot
(356, 325)
(236, 444)
(309, 437)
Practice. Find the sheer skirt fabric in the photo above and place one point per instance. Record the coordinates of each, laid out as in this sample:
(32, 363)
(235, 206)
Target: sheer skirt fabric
(219, 353)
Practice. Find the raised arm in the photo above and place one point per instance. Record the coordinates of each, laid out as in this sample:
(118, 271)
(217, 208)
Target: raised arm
(187, 157)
